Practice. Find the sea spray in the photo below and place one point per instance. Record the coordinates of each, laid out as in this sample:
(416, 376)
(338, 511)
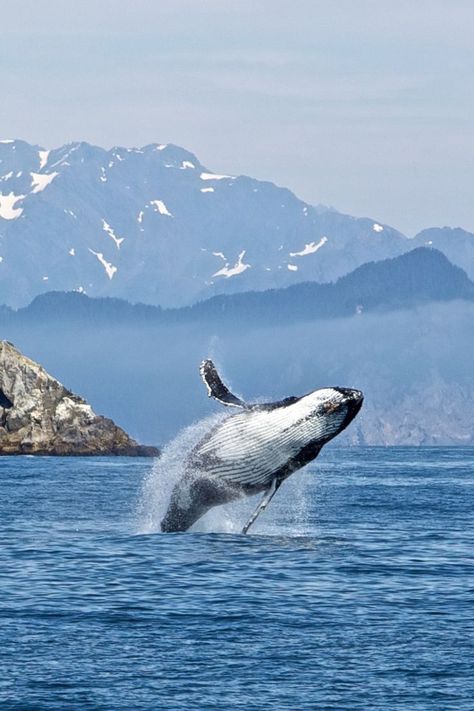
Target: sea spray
(166, 471)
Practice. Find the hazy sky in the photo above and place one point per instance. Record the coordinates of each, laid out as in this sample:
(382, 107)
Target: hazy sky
(366, 105)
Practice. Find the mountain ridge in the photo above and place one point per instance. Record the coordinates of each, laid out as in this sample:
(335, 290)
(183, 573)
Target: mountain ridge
(421, 276)
(154, 224)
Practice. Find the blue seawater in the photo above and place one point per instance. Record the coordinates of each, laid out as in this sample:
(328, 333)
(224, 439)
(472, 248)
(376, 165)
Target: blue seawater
(354, 591)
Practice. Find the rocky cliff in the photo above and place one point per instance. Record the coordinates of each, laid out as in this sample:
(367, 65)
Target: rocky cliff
(38, 415)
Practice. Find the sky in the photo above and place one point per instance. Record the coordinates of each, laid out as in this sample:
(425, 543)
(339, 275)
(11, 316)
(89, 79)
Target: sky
(366, 106)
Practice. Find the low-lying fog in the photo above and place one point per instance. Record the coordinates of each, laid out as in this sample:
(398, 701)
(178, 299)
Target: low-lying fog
(415, 368)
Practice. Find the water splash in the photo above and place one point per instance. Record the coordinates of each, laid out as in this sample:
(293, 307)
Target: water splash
(287, 514)
(167, 470)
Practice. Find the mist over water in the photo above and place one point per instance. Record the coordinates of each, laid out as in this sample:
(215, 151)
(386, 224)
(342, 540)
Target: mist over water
(147, 378)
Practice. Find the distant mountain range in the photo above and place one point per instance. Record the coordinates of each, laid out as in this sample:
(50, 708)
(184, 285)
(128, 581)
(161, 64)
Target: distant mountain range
(412, 279)
(154, 225)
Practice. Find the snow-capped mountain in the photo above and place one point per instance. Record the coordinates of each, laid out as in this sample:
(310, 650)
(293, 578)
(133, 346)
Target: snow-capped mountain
(155, 225)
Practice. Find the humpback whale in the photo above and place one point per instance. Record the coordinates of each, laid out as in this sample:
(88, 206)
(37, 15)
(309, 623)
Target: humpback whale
(255, 449)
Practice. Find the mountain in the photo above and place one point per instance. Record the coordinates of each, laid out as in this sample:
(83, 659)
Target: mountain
(154, 225)
(457, 244)
(421, 276)
(41, 416)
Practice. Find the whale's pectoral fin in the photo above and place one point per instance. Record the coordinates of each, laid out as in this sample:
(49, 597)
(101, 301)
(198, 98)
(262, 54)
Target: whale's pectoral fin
(267, 497)
(215, 386)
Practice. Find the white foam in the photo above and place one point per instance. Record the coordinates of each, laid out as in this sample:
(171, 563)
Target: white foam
(310, 248)
(165, 473)
(239, 267)
(159, 206)
(107, 228)
(40, 181)
(8, 211)
(377, 228)
(109, 268)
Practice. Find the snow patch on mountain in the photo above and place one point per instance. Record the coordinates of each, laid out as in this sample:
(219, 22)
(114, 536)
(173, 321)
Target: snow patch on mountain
(310, 248)
(43, 158)
(207, 190)
(214, 176)
(159, 206)
(109, 268)
(108, 229)
(228, 271)
(40, 181)
(376, 227)
(62, 161)
(292, 267)
(8, 211)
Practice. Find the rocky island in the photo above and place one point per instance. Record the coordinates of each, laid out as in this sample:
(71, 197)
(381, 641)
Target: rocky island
(38, 415)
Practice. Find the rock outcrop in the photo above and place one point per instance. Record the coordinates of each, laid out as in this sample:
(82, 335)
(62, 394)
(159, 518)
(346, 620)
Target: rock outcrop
(38, 415)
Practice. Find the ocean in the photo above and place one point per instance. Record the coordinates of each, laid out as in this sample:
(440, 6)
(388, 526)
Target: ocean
(354, 590)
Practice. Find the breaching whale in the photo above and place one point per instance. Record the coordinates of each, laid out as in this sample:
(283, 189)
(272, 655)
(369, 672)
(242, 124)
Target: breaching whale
(255, 449)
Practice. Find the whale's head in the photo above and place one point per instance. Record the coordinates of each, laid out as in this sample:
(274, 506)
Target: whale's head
(329, 411)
